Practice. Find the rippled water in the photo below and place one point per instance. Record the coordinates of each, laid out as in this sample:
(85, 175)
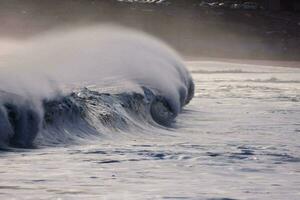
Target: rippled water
(237, 139)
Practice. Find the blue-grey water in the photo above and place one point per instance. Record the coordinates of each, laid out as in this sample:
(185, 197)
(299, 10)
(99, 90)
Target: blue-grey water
(237, 139)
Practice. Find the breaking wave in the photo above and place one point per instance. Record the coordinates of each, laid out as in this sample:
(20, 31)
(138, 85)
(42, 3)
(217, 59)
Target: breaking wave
(66, 86)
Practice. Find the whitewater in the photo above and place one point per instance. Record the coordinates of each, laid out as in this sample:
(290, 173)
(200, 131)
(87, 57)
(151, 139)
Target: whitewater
(110, 113)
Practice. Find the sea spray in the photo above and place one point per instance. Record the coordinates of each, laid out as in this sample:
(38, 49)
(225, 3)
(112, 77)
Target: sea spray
(51, 72)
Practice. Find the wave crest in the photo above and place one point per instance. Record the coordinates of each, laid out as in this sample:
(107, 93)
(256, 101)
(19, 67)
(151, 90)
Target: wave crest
(151, 81)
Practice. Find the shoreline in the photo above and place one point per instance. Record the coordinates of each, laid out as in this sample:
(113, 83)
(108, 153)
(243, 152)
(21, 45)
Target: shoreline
(190, 29)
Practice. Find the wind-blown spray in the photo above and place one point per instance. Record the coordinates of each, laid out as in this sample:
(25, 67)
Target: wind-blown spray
(61, 76)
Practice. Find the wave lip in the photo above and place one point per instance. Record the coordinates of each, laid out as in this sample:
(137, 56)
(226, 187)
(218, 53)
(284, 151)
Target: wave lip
(19, 121)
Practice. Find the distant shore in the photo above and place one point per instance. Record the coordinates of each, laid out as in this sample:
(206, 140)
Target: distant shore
(192, 30)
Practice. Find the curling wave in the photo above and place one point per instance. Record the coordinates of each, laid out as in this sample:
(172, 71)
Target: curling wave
(72, 84)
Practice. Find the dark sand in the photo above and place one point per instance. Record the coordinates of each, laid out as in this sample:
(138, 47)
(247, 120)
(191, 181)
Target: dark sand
(192, 30)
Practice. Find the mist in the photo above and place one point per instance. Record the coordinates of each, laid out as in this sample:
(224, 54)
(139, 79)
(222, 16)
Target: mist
(61, 61)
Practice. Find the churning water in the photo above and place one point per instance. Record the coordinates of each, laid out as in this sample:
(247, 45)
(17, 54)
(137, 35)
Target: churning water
(94, 112)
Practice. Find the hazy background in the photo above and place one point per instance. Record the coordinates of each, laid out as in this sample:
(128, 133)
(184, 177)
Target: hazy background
(188, 26)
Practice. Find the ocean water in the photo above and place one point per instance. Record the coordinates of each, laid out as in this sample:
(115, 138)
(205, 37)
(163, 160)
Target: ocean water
(238, 138)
